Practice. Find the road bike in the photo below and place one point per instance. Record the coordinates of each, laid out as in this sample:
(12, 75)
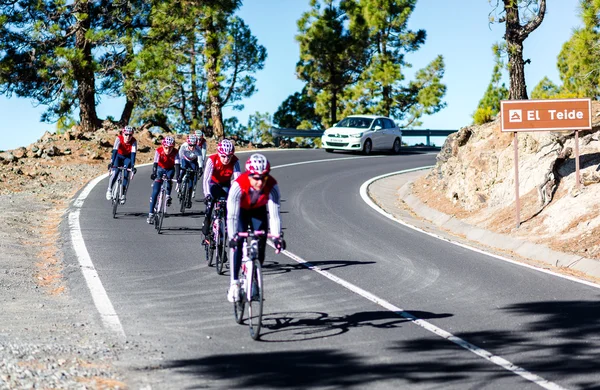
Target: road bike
(119, 189)
(184, 192)
(160, 208)
(218, 236)
(251, 282)
(198, 176)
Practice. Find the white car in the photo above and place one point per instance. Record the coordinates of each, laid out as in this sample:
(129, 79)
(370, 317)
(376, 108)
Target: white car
(363, 133)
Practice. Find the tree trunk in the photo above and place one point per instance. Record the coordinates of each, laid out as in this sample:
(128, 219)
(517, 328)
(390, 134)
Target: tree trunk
(333, 108)
(515, 35)
(83, 70)
(213, 52)
(127, 112)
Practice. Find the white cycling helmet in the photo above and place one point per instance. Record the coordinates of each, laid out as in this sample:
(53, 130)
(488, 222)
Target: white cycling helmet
(226, 147)
(258, 164)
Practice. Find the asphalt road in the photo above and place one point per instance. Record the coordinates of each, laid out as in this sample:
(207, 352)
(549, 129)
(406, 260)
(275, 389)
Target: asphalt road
(392, 308)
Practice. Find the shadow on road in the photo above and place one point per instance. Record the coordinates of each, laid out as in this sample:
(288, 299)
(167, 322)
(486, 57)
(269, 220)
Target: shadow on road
(271, 268)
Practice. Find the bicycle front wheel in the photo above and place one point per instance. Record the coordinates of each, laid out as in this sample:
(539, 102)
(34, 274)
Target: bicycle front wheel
(162, 209)
(115, 199)
(210, 250)
(221, 247)
(255, 301)
(183, 197)
(238, 309)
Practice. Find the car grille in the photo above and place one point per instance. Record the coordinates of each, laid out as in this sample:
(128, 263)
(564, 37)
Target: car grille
(339, 144)
(338, 135)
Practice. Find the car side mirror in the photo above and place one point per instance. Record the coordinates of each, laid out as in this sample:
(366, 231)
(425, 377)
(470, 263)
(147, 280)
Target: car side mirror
(377, 128)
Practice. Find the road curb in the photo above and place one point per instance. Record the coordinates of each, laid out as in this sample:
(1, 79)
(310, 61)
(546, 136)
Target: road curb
(459, 230)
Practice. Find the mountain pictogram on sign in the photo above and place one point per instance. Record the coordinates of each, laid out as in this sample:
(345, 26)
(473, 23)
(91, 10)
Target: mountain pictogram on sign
(515, 116)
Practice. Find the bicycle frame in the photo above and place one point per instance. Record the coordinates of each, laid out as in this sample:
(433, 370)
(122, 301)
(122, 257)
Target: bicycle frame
(251, 282)
(118, 189)
(160, 207)
(219, 233)
(183, 191)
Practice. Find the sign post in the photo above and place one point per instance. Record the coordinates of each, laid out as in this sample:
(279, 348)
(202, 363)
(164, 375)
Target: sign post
(545, 115)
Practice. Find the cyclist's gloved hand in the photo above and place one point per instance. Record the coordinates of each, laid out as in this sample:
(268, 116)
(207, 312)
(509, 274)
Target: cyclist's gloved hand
(109, 166)
(153, 176)
(233, 243)
(279, 244)
(179, 180)
(207, 199)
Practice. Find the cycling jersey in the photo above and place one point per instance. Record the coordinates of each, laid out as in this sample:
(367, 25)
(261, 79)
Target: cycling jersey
(195, 154)
(243, 197)
(166, 161)
(216, 172)
(125, 148)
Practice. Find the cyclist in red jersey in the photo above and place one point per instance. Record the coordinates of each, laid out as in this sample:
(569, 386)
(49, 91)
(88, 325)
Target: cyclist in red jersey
(166, 161)
(221, 169)
(123, 155)
(202, 145)
(253, 203)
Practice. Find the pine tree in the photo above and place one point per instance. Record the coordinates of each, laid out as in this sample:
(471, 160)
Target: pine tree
(521, 18)
(66, 55)
(579, 59)
(331, 56)
(489, 105)
(381, 88)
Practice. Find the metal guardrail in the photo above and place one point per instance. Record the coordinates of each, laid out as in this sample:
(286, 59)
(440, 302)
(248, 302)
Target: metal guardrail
(427, 133)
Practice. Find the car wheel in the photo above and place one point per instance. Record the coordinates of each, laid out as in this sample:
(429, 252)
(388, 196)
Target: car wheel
(396, 146)
(367, 147)
(329, 150)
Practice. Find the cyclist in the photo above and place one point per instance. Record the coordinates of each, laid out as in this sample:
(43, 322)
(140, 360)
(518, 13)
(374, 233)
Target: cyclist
(201, 144)
(123, 155)
(220, 170)
(166, 161)
(254, 194)
(189, 156)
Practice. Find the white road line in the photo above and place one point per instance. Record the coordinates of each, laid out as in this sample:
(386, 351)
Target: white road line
(364, 194)
(430, 327)
(505, 364)
(324, 160)
(99, 296)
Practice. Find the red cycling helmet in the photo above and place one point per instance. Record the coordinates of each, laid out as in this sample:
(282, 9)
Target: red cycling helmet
(225, 147)
(258, 164)
(168, 141)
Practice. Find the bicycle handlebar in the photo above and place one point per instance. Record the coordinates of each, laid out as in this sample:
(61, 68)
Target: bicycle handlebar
(259, 233)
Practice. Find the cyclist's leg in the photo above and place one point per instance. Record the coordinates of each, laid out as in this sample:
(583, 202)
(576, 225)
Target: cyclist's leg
(170, 173)
(156, 189)
(126, 162)
(194, 167)
(260, 221)
(237, 254)
(216, 192)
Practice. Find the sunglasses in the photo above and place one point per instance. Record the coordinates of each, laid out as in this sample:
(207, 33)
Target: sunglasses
(259, 177)
(126, 135)
(224, 156)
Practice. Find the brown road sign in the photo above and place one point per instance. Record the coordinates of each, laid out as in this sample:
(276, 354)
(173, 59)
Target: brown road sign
(544, 115)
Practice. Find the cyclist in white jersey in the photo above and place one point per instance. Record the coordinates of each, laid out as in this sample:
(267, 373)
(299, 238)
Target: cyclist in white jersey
(253, 203)
(189, 156)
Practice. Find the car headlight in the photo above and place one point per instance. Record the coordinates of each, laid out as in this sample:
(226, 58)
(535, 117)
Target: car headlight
(356, 135)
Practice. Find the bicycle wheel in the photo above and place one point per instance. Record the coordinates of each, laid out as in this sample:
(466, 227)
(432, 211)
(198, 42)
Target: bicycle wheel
(115, 199)
(162, 209)
(210, 250)
(255, 303)
(238, 308)
(221, 247)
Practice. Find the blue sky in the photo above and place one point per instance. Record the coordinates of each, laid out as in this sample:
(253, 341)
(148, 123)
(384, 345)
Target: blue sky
(458, 30)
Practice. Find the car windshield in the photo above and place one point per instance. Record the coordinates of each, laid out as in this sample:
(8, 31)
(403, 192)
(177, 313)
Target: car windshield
(355, 122)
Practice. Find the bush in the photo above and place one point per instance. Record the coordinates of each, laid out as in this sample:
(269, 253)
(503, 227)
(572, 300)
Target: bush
(483, 115)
